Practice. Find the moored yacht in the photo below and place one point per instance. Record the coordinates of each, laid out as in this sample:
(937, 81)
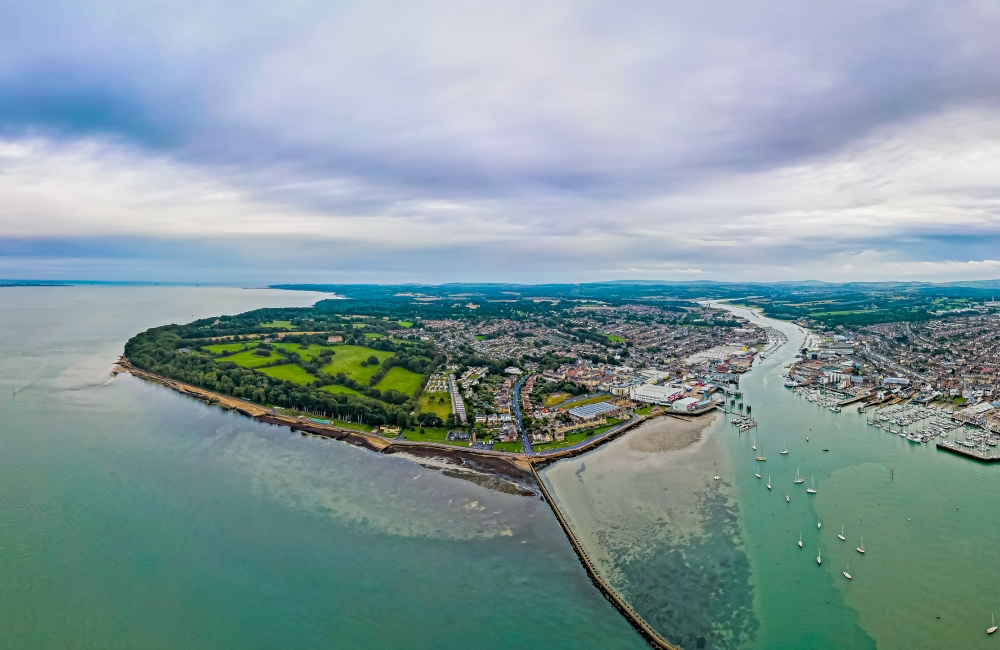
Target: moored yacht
(846, 574)
(768, 482)
(812, 490)
(819, 557)
(861, 549)
(841, 535)
(798, 479)
(800, 540)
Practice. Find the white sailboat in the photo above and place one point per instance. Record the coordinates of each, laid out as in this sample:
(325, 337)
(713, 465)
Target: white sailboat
(785, 450)
(993, 629)
(788, 498)
(800, 540)
(754, 445)
(819, 557)
(798, 479)
(757, 474)
(861, 549)
(769, 482)
(841, 535)
(812, 490)
(846, 574)
(819, 524)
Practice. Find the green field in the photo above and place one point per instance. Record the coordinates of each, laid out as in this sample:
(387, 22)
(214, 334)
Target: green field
(278, 324)
(289, 372)
(337, 388)
(479, 337)
(429, 404)
(250, 360)
(372, 335)
(645, 410)
(613, 338)
(513, 447)
(405, 323)
(554, 398)
(227, 347)
(431, 434)
(589, 400)
(307, 354)
(347, 359)
(400, 379)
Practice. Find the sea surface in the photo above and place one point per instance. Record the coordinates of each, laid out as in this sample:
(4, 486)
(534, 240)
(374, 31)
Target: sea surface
(134, 517)
(716, 564)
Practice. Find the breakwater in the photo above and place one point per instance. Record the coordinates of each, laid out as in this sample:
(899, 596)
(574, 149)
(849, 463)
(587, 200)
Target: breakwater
(633, 617)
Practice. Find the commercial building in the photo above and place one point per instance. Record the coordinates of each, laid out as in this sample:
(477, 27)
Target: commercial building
(591, 411)
(686, 404)
(654, 394)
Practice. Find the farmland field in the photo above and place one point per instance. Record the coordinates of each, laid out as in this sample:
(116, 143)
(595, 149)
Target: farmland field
(278, 324)
(227, 347)
(337, 388)
(400, 379)
(347, 359)
(250, 360)
(307, 355)
(405, 323)
(289, 372)
(429, 404)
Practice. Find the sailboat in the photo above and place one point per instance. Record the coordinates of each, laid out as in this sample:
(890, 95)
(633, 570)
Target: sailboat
(754, 445)
(785, 450)
(800, 540)
(846, 574)
(758, 471)
(769, 482)
(861, 549)
(798, 479)
(819, 524)
(812, 490)
(788, 498)
(819, 557)
(994, 628)
(841, 535)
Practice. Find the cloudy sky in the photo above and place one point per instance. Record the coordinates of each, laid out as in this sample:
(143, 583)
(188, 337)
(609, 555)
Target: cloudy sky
(440, 141)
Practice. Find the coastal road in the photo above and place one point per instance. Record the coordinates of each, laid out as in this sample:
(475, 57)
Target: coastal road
(517, 417)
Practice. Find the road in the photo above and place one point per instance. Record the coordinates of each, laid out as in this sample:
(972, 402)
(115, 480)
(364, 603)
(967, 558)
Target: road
(517, 417)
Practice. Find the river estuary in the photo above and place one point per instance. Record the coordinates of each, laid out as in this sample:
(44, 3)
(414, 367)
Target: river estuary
(716, 564)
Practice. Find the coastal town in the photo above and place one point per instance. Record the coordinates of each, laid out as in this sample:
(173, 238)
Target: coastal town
(933, 378)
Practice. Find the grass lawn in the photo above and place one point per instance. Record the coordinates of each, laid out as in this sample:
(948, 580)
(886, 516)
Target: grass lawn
(479, 337)
(554, 398)
(590, 400)
(307, 355)
(347, 359)
(645, 410)
(400, 379)
(429, 404)
(431, 434)
(514, 447)
(289, 372)
(405, 323)
(372, 335)
(337, 388)
(248, 359)
(613, 338)
(278, 324)
(228, 347)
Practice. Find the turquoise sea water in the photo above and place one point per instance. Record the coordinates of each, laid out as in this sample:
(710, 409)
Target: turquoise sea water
(715, 564)
(133, 517)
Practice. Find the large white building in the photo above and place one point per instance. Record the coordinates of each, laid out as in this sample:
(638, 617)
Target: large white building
(654, 394)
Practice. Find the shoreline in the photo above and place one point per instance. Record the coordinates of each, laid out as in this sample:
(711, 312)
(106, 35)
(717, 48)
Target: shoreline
(519, 470)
